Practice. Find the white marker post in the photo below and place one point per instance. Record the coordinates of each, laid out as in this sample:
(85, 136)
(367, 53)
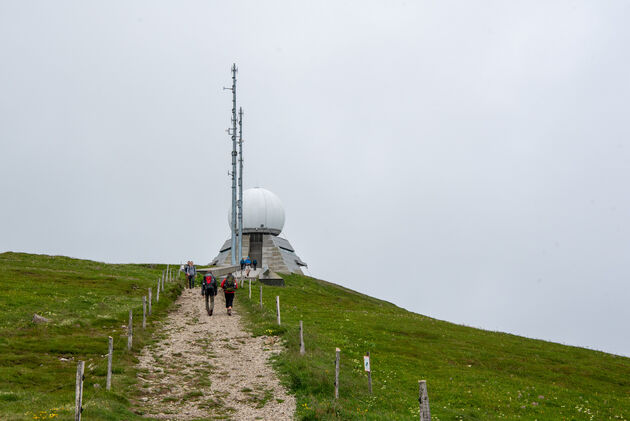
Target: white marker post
(337, 357)
(278, 308)
(144, 312)
(149, 301)
(130, 330)
(366, 365)
(302, 350)
(109, 363)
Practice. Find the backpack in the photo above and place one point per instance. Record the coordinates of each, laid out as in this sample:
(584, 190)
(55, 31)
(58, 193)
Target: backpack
(208, 284)
(229, 284)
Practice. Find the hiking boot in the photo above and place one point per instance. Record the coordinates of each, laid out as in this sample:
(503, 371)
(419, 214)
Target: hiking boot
(210, 313)
(229, 311)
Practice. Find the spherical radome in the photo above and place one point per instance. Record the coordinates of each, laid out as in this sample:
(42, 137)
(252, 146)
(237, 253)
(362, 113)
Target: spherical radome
(262, 212)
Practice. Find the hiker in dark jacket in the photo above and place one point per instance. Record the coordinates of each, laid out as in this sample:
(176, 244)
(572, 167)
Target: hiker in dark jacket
(209, 289)
(254, 263)
(191, 271)
(242, 264)
(229, 286)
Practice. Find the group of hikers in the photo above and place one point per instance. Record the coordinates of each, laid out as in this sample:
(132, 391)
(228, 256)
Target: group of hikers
(210, 287)
(247, 263)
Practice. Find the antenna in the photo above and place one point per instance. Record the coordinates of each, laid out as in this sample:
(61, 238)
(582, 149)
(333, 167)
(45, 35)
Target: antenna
(233, 135)
(240, 184)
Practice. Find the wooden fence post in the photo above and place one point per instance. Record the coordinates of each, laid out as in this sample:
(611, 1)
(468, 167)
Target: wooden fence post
(130, 330)
(278, 308)
(144, 312)
(337, 352)
(149, 301)
(163, 279)
(250, 289)
(157, 294)
(261, 306)
(109, 363)
(423, 399)
(302, 350)
(78, 400)
(369, 371)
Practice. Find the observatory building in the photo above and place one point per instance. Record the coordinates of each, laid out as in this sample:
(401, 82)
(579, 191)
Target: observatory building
(263, 220)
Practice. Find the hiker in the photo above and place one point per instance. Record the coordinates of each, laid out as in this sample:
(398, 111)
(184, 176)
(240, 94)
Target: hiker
(248, 262)
(242, 264)
(229, 286)
(190, 274)
(209, 290)
(254, 263)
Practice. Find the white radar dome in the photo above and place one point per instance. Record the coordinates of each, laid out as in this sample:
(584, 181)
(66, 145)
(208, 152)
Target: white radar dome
(262, 212)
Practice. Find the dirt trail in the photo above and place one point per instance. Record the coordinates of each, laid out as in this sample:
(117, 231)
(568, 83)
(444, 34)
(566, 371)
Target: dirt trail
(210, 368)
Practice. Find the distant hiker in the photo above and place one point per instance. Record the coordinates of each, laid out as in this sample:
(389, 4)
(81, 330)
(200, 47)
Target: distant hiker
(242, 264)
(190, 274)
(209, 289)
(254, 263)
(229, 286)
(248, 261)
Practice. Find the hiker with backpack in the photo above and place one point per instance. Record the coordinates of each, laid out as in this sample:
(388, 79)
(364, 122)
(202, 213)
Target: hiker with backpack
(191, 271)
(229, 285)
(209, 289)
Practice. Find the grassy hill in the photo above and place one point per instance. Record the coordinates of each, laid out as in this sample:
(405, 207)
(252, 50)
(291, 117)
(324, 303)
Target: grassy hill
(471, 374)
(87, 302)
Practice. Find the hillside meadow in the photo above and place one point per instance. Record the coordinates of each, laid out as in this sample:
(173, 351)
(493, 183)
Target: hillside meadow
(86, 302)
(471, 374)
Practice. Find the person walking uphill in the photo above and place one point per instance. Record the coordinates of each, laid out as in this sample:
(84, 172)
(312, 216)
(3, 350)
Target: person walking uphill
(209, 289)
(229, 286)
(191, 271)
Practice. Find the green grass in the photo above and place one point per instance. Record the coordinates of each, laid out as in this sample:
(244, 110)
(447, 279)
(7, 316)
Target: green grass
(471, 374)
(87, 302)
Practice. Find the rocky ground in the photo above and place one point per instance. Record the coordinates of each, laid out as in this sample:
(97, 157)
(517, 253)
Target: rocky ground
(210, 368)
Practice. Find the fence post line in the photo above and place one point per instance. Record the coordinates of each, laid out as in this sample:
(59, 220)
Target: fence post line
(149, 301)
(369, 373)
(130, 330)
(337, 355)
(157, 294)
(423, 399)
(144, 312)
(78, 400)
(278, 308)
(302, 350)
(109, 362)
(261, 306)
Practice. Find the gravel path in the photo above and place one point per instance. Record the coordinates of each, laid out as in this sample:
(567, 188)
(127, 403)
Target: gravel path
(210, 368)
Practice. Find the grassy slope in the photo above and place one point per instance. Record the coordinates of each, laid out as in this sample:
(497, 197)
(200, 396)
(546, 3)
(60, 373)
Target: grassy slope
(86, 301)
(471, 374)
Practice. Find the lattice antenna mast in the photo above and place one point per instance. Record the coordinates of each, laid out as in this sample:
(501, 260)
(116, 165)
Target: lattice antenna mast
(232, 132)
(240, 184)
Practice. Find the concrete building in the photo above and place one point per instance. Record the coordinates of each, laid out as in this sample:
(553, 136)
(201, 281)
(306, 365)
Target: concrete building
(263, 220)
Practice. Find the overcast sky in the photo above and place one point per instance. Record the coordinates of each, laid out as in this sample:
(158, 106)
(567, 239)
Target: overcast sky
(465, 160)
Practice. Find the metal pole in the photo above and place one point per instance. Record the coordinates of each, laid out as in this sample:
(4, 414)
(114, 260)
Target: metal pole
(240, 184)
(234, 121)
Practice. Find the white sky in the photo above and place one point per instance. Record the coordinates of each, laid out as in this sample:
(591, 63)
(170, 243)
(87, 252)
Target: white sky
(465, 160)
